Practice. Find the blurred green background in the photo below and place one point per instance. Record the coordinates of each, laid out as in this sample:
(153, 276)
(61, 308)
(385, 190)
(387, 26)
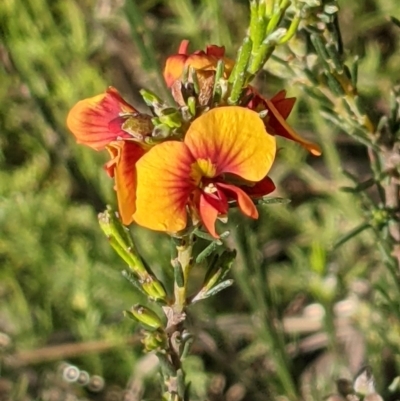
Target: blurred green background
(300, 314)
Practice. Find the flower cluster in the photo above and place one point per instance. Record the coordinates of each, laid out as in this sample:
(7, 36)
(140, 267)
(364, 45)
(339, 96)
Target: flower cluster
(184, 166)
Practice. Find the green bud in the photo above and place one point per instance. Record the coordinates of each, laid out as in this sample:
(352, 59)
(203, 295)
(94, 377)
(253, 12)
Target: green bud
(191, 102)
(120, 239)
(150, 98)
(154, 341)
(156, 121)
(153, 101)
(171, 118)
(380, 217)
(154, 289)
(145, 316)
(161, 131)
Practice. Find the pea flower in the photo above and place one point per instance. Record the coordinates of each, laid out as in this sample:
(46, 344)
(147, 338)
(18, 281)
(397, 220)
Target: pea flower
(224, 157)
(204, 64)
(107, 121)
(202, 61)
(279, 108)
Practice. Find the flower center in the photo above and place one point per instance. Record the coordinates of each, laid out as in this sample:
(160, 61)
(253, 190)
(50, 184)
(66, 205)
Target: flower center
(202, 168)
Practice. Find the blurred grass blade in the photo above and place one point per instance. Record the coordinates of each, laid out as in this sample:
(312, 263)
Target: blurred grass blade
(351, 234)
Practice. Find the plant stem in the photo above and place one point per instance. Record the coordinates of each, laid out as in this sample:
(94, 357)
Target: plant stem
(184, 260)
(171, 359)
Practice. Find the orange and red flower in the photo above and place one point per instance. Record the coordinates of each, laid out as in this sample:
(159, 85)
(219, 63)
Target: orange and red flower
(279, 108)
(225, 156)
(201, 61)
(205, 63)
(107, 121)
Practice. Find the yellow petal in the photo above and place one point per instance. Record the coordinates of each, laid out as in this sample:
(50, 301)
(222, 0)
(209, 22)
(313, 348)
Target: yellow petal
(163, 187)
(234, 140)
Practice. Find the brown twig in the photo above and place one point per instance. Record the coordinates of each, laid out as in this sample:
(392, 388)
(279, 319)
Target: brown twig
(65, 351)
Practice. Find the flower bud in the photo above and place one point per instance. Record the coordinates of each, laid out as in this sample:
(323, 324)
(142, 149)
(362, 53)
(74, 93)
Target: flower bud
(121, 241)
(154, 341)
(171, 117)
(153, 101)
(154, 289)
(145, 316)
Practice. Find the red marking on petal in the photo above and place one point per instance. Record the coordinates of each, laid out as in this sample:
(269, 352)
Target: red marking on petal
(164, 186)
(234, 140)
(245, 204)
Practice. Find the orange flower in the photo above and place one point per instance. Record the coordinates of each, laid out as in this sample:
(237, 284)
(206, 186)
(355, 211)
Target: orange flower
(279, 108)
(225, 156)
(108, 122)
(201, 61)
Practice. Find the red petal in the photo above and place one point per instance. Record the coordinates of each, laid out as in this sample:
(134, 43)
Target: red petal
(174, 68)
(208, 214)
(279, 109)
(281, 95)
(283, 105)
(183, 47)
(245, 204)
(126, 156)
(89, 120)
(216, 51)
(261, 188)
(218, 200)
